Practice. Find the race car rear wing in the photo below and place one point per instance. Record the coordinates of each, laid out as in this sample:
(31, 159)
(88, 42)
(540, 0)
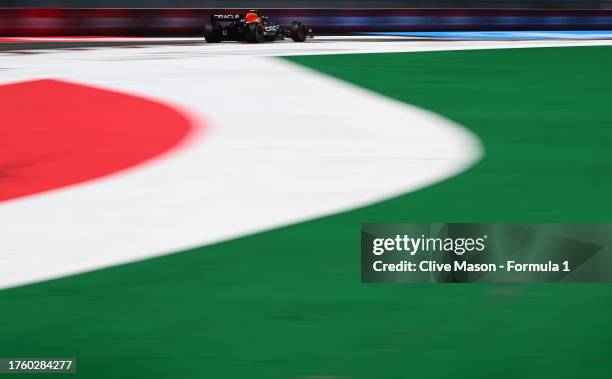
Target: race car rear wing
(226, 17)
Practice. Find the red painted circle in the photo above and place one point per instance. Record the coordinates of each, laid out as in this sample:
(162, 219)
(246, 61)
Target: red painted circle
(54, 134)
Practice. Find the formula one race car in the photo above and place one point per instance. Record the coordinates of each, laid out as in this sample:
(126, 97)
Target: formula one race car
(252, 28)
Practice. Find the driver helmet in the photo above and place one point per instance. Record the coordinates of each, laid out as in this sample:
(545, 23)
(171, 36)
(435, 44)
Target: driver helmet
(252, 16)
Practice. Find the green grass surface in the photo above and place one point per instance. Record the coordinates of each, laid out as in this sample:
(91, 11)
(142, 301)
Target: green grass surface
(288, 303)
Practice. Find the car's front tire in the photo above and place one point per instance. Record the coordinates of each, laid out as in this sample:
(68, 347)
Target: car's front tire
(299, 32)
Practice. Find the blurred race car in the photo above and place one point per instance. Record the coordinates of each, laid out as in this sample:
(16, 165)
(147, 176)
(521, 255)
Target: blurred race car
(251, 27)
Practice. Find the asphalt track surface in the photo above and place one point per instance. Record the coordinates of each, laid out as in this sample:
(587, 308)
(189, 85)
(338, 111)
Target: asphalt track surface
(50, 43)
(76, 43)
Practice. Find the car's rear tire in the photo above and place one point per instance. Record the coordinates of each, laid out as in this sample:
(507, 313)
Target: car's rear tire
(212, 34)
(255, 32)
(299, 32)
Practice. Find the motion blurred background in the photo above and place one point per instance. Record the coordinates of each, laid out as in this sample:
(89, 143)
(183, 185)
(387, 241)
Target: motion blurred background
(186, 17)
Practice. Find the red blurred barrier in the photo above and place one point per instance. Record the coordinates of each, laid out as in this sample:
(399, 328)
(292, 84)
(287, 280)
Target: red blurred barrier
(187, 22)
